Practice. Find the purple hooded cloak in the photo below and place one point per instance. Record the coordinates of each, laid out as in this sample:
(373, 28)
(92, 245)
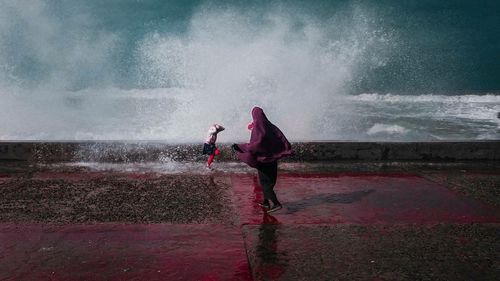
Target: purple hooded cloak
(267, 142)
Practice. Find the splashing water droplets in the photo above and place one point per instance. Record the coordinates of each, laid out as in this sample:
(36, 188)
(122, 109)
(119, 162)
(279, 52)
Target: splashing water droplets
(291, 67)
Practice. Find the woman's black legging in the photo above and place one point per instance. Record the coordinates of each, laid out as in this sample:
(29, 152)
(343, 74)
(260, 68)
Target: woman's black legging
(268, 173)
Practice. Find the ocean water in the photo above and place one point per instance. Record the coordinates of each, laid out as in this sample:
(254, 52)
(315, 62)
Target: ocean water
(322, 70)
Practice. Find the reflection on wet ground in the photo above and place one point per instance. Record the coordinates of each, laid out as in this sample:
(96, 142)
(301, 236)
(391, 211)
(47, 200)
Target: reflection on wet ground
(374, 252)
(339, 198)
(270, 261)
(166, 167)
(152, 221)
(362, 198)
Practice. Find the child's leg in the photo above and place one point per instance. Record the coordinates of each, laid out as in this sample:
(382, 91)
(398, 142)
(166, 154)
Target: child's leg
(210, 159)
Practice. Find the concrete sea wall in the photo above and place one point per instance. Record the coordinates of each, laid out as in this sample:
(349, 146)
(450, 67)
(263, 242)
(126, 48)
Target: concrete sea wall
(137, 151)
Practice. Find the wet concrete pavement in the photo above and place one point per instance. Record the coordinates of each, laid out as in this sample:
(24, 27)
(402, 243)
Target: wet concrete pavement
(178, 221)
(122, 252)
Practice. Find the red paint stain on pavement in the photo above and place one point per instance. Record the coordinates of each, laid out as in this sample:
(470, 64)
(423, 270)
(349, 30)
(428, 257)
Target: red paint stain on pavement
(362, 198)
(122, 252)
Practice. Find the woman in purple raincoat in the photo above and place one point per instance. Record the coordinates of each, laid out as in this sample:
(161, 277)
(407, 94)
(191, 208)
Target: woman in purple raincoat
(267, 145)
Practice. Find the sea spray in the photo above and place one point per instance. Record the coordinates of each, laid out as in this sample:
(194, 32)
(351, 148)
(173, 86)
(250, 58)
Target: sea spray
(295, 67)
(292, 67)
(164, 70)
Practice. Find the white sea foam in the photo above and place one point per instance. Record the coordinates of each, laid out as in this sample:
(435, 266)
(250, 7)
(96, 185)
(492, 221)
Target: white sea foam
(374, 97)
(386, 129)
